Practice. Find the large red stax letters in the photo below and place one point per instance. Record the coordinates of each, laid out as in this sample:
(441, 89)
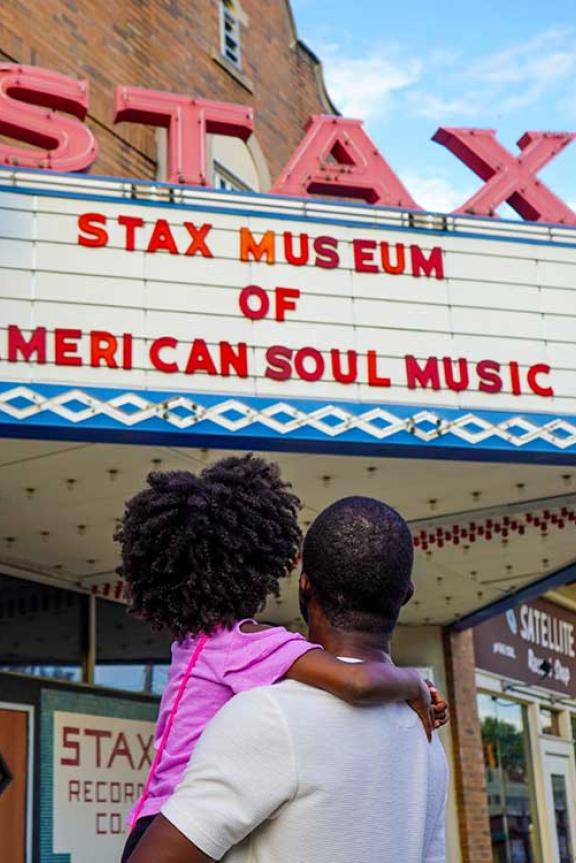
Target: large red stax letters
(28, 98)
(510, 178)
(188, 122)
(337, 157)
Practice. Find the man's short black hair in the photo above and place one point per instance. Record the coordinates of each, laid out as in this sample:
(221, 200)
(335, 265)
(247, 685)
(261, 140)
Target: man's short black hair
(358, 556)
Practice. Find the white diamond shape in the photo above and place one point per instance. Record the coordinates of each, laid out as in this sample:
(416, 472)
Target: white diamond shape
(23, 393)
(196, 413)
(59, 402)
(315, 420)
(216, 415)
(458, 428)
(365, 423)
(531, 431)
(268, 418)
(429, 417)
(563, 442)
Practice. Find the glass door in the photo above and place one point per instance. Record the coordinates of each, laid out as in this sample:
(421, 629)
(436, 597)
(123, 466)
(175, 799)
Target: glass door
(560, 793)
(509, 779)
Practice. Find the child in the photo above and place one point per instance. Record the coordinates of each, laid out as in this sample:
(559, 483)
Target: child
(200, 555)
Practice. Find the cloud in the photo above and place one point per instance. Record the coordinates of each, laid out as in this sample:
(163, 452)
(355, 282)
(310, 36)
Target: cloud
(435, 193)
(362, 87)
(435, 107)
(501, 82)
(546, 58)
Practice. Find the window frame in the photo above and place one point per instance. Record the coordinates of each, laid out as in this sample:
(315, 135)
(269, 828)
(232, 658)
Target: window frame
(228, 16)
(222, 174)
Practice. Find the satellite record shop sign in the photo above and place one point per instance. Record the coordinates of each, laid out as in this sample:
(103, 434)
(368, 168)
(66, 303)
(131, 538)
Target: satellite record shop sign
(239, 313)
(534, 643)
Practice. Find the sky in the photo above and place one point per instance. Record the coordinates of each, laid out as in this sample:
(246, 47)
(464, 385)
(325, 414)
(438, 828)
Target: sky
(406, 68)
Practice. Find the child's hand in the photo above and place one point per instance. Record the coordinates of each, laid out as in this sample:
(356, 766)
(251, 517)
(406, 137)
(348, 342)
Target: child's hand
(423, 705)
(439, 707)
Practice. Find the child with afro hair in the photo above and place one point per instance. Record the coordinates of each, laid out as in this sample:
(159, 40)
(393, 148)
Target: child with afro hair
(201, 554)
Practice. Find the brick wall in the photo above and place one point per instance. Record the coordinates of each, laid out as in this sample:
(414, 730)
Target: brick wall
(168, 45)
(467, 745)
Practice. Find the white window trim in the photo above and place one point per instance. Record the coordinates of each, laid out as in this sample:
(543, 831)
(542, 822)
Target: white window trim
(228, 15)
(219, 172)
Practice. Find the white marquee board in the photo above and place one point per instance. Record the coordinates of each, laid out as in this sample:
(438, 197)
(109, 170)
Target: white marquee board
(473, 344)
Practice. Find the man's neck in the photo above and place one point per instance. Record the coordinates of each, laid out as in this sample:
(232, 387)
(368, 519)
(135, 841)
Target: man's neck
(369, 646)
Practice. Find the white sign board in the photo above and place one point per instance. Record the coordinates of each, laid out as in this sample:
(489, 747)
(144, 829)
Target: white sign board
(100, 766)
(225, 295)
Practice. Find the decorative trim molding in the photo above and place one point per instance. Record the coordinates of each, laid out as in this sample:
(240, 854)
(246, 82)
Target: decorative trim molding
(25, 404)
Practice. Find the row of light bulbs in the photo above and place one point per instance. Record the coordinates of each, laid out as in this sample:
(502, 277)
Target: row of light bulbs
(495, 529)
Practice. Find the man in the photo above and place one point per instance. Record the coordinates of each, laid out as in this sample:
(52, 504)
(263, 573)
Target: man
(290, 774)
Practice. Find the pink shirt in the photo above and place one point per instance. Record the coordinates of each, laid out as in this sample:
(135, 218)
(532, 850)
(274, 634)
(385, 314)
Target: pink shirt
(230, 662)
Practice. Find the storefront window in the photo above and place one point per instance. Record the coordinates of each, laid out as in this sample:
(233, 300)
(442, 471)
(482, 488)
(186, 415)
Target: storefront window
(130, 655)
(42, 629)
(133, 678)
(509, 781)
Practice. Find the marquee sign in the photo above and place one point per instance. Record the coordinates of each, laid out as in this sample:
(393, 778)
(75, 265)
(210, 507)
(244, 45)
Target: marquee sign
(336, 157)
(257, 317)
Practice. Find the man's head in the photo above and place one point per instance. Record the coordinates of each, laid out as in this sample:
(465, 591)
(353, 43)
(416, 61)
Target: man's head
(357, 564)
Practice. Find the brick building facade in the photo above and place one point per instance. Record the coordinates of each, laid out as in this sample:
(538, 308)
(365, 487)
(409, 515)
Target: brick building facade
(172, 46)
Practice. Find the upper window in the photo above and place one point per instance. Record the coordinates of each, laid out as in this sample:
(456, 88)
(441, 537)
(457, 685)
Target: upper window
(226, 180)
(230, 33)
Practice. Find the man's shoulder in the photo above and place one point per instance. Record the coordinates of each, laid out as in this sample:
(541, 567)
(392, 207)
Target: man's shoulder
(260, 698)
(266, 704)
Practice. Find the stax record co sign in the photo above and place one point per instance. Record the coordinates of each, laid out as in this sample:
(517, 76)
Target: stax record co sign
(336, 156)
(534, 643)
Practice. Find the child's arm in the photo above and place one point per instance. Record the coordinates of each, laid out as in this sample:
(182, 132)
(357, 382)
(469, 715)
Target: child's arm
(363, 683)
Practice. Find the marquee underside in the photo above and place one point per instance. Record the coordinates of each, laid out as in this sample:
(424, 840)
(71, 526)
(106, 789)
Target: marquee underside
(482, 531)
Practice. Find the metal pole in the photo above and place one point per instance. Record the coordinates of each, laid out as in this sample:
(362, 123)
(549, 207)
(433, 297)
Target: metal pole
(89, 642)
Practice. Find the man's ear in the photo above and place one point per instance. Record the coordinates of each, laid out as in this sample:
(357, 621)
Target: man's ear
(409, 593)
(304, 595)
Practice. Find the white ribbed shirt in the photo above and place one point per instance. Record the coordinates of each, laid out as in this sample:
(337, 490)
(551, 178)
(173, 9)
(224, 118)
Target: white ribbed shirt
(290, 774)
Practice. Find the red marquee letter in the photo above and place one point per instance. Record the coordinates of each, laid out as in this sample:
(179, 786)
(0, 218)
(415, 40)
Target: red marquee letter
(28, 96)
(337, 158)
(188, 121)
(19, 345)
(509, 178)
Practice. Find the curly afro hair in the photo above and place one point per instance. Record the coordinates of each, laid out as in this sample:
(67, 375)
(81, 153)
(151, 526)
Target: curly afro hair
(199, 551)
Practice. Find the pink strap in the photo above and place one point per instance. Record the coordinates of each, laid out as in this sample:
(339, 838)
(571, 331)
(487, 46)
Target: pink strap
(193, 660)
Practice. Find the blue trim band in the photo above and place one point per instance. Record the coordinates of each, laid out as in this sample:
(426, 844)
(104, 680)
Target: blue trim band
(307, 425)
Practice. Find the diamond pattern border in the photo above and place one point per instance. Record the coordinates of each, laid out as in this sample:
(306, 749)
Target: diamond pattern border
(21, 403)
